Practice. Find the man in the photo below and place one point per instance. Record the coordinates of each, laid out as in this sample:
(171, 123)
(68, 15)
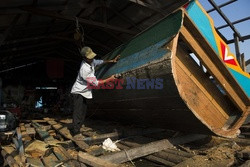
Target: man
(80, 89)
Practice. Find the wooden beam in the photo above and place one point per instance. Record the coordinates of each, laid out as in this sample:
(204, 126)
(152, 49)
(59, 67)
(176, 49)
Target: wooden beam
(104, 11)
(213, 63)
(99, 43)
(44, 135)
(8, 30)
(247, 62)
(149, 157)
(133, 153)
(243, 62)
(33, 52)
(94, 161)
(42, 12)
(141, 3)
(66, 133)
(20, 144)
(64, 156)
(127, 19)
(237, 48)
(235, 22)
(224, 17)
(18, 49)
(168, 9)
(222, 5)
(54, 20)
(247, 37)
(11, 11)
(34, 38)
(9, 159)
(100, 138)
(91, 8)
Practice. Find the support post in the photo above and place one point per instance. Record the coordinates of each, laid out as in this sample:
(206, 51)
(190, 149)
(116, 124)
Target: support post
(237, 48)
(243, 63)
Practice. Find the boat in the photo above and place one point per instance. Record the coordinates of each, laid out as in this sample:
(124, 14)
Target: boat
(178, 74)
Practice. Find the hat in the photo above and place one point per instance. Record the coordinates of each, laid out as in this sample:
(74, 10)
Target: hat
(87, 52)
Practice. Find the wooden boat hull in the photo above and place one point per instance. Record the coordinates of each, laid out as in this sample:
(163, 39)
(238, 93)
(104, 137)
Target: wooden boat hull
(187, 99)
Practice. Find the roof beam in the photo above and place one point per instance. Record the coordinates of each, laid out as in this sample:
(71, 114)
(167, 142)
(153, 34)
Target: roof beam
(247, 37)
(54, 20)
(247, 62)
(18, 49)
(17, 10)
(166, 9)
(6, 11)
(222, 5)
(225, 18)
(125, 18)
(235, 22)
(42, 12)
(33, 53)
(34, 38)
(98, 43)
(91, 8)
(141, 3)
(8, 30)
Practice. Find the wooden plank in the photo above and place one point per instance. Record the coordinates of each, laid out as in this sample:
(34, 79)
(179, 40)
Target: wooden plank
(63, 156)
(30, 131)
(203, 82)
(22, 127)
(50, 160)
(149, 157)
(94, 161)
(246, 164)
(213, 63)
(44, 135)
(213, 69)
(133, 153)
(20, 144)
(39, 120)
(66, 133)
(9, 159)
(25, 135)
(213, 115)
(34, 162)
(100, 138)
(161, 154)
(66, 121)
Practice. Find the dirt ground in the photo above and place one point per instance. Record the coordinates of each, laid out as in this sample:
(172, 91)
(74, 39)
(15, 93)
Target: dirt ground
(218, 153)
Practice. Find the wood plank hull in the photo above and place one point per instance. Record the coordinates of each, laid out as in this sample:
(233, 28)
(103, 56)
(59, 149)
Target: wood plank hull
(185, 98)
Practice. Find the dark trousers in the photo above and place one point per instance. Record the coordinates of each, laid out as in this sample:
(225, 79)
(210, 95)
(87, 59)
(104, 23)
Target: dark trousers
(79, 113)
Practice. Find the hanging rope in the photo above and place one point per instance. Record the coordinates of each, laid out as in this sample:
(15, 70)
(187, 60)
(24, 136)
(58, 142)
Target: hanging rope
(79, 35)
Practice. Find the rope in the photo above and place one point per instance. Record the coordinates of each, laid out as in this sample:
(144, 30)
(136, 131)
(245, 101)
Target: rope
(128, 157)
(79, 34)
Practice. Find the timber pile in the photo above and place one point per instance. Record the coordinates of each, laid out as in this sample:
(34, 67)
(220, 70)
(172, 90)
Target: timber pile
(245, 130)
(48, 143)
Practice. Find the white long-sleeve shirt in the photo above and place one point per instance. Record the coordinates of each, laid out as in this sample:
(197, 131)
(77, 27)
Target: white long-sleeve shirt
(86, 75)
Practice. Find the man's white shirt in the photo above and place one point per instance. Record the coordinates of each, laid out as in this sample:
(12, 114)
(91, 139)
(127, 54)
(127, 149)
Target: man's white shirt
(86, 75)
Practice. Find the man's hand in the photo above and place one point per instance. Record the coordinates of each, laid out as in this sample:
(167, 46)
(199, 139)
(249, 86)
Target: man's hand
(116, 59)
(112, 77)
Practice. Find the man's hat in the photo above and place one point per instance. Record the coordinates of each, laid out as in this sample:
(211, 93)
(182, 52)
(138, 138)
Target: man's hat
(87, 52)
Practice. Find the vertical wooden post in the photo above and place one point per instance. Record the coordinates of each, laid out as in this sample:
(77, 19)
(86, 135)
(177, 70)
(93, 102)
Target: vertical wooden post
(243, 62)
(237, 49)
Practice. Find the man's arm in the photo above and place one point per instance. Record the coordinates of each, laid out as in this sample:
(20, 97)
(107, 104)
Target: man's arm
(113, 60)
(110, 79)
